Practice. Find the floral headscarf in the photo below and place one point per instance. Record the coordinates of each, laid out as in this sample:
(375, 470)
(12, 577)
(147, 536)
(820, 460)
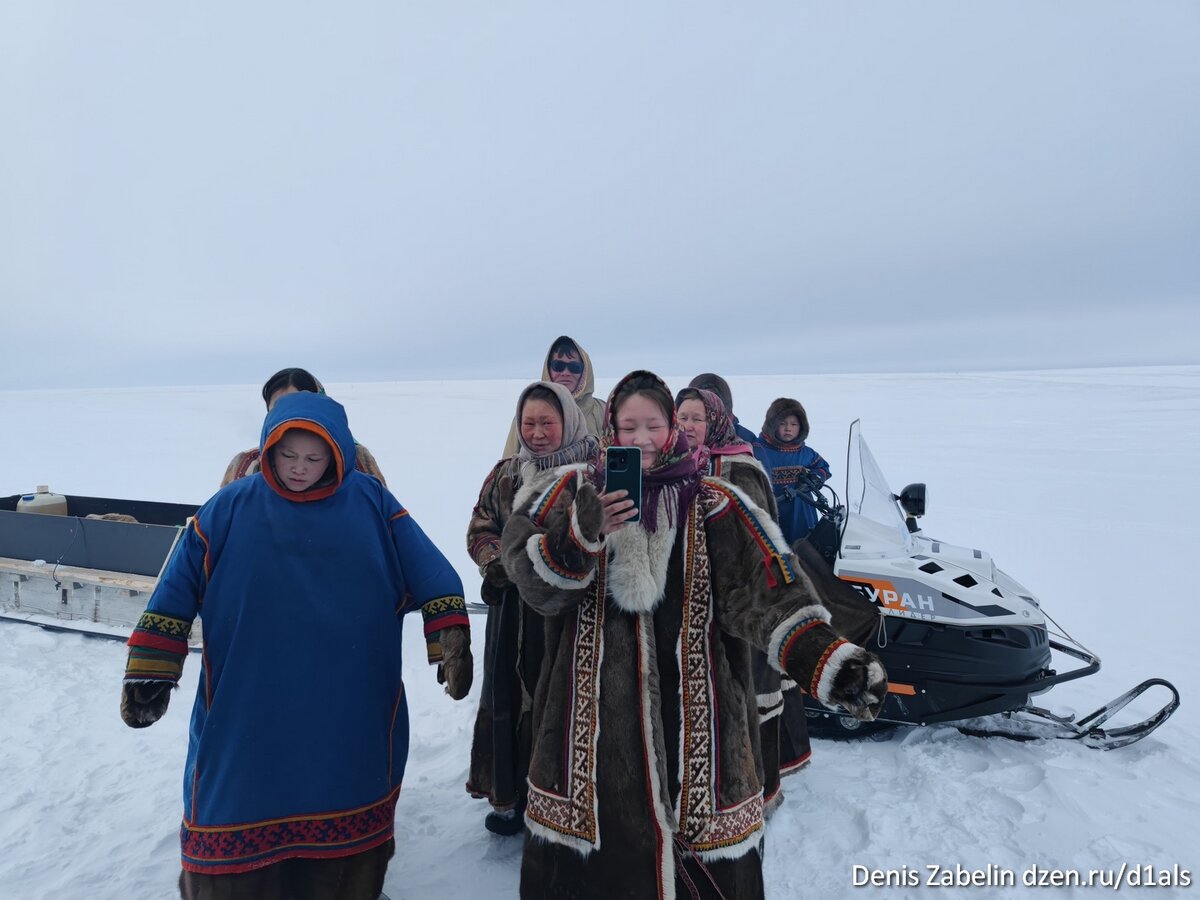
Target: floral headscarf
(674, 474)
(720, 437)
(577, 445)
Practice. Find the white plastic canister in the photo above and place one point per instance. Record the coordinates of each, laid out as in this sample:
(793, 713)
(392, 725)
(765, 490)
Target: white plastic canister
(44, 502)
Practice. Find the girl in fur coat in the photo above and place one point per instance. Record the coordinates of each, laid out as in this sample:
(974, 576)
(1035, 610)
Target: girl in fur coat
(299, 730)
(643, 780)
(551, 432)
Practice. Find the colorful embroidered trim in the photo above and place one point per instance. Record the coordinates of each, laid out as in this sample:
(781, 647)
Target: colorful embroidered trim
(203, 537)
(591, 548)
(551, 570)
(704, 826)
(227, 849)
(785, 648)
(783, 630)
(442, 612)
(541, 509)
(434, 653)
(147, 664)
(248, 465)
(403, 512)
(157, 648)
(786, 474)
(770, 550)
(439, 613)
(572, 819)
(158, 625)
(820, 667)
(793, 766)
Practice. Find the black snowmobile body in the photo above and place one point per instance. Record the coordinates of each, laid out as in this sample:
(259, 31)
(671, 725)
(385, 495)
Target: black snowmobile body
(962, 641)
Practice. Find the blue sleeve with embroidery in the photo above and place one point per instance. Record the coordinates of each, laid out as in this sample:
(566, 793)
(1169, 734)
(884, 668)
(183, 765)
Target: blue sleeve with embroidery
(158, 645)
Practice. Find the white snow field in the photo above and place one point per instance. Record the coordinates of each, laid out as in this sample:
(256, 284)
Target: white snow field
(1082, 483)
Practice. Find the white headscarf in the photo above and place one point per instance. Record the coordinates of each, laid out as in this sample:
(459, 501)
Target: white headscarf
(577, 445)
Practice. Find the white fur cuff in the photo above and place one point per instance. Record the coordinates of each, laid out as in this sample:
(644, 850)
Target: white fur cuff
(833, 665)
(592, 548)
(540, 832)
(554, 575)
(783, 631)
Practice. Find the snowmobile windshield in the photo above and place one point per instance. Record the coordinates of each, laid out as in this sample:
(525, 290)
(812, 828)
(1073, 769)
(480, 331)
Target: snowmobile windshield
(876, 524)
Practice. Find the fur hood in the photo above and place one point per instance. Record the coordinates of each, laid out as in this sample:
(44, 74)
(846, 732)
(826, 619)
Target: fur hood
(785, 406)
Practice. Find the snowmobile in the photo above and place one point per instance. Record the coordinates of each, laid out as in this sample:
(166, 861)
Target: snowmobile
(963, 642)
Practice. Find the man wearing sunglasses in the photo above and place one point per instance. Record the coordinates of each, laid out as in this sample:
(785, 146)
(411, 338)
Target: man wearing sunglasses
(569, 365)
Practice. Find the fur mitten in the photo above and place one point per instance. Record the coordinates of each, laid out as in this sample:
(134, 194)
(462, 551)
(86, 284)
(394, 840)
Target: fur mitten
(458, 666)
(859, 684)
(144, 702)
(589, 513)
(495, 583)
(495, 575)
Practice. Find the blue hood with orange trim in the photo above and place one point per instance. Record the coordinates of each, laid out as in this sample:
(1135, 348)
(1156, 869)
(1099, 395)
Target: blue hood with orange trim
(320, 415)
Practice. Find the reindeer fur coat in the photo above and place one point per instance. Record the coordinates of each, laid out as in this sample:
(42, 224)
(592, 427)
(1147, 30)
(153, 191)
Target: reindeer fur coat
(643, 779)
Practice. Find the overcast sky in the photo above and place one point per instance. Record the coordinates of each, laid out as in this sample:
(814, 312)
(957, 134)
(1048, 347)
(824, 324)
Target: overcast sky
(203, 192)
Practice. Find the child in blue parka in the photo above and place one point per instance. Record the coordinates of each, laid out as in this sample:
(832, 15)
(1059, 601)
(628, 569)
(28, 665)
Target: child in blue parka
(795, 468)
(302, 573)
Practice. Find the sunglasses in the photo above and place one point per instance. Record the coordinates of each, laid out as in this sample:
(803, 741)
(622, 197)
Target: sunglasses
(559, 365)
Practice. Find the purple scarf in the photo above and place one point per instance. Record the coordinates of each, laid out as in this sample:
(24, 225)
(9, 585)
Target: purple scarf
(674, 475)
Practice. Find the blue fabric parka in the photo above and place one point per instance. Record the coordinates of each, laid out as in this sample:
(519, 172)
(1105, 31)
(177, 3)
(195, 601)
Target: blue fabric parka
(299, 731)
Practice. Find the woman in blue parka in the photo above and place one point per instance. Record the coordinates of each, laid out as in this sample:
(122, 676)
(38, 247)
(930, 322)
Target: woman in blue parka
(302, 574)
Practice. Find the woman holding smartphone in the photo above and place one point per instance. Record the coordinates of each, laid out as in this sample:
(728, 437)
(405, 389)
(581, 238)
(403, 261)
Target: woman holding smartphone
(551, 432)
(643, 780)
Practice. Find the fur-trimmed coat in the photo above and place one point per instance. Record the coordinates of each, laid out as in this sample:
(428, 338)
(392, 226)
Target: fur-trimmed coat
(491, 511)
(782, 750)
(644, 752)
(512, 654)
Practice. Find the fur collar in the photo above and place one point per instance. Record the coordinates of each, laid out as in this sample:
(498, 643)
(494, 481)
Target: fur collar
(637, 564)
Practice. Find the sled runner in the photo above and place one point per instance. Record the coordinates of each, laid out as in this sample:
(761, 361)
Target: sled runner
(963, 642)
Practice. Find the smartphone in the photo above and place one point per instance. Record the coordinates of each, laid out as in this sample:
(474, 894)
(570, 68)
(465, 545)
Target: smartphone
(623, 471)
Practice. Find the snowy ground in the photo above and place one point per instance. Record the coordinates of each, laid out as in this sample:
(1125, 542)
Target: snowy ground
(1081, 483)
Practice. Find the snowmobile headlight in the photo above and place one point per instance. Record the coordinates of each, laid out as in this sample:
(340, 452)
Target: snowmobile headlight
(912, 500)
